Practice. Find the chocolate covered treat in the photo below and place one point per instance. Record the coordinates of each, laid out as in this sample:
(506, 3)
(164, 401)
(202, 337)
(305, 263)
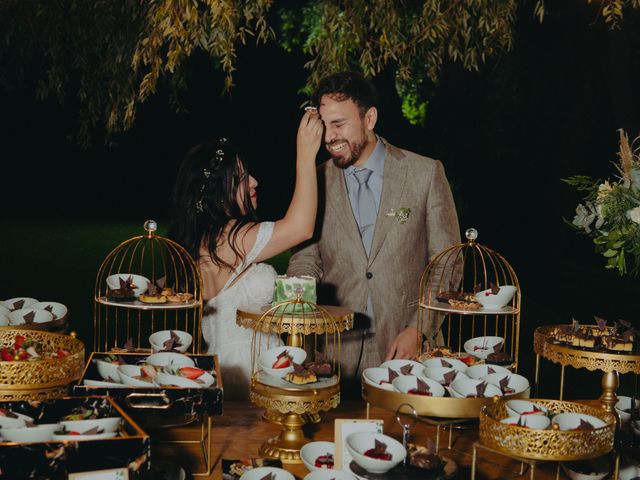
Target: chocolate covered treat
(499, 358)
(125, 292)
(300, 375)
(321, 367)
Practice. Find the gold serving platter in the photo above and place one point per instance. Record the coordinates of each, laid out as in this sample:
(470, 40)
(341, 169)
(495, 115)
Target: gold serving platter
(305, 323)
(547, 445)
(440, 407)
(40, 379)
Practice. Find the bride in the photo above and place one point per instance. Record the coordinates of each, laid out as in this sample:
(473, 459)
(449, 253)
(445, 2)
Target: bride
(214, 218)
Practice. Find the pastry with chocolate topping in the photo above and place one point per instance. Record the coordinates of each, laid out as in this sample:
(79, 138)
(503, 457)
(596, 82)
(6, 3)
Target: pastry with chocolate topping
(321, 367)
(499, 358)
(300, 375)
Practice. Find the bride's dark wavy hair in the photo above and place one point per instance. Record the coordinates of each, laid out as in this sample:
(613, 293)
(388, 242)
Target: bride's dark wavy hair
(204, 199)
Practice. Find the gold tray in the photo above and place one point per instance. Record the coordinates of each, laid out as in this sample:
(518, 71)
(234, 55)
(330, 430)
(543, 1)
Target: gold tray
(547, 445)
(40, 379)
(441, 407)
(292, 400)
(579, 358)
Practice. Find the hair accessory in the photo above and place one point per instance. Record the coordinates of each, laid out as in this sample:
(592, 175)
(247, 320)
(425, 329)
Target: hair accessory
(199, 206)
(207, 172)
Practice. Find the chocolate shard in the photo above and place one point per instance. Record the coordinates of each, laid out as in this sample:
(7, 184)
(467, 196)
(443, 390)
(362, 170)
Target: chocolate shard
(129, 346)
(575, 324)
(162, 282)
(5, 412)
(406, 369)
(28, 317)
(379, 447)
(18, 304)
(478, 288)
(490, 370)
(422, 386)
(504, 382)
(152, 289)
(627, 334)
(498, 346)
(449, 377)
(494, 288)
(268, 476)
(92, 431)
(392, 375)
(173, 342)
(319, 357)
(625, 323)
(299, 369)
(602, 323)
(481, 388)
(446, 364)
(584, 425)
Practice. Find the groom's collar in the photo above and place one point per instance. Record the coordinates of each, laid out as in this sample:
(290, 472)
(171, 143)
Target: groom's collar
(375, 162)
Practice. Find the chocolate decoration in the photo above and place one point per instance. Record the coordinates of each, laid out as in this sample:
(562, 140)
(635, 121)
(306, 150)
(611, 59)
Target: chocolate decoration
(497, 347)
(494, 288)
(392, 375)
(584, 425)
(446, 364)
(18, 305)
(28, 317)
(406, 369)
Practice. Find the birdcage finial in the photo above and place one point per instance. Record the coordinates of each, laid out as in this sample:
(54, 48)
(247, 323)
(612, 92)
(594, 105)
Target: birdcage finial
(471, 234)
(150, 226)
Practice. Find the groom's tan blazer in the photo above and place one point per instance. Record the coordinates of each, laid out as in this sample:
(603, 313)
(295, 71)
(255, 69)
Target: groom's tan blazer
(399, 251)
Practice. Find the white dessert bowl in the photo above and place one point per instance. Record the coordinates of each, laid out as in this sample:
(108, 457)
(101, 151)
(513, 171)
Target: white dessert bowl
(481, 370)
(169, 359)
(622, 404)
(437, 374)
(629, 470)
(524, 407)
(359, 442)
(599, 469)
(261, 472)
(635, 426)
(40, 316)
(269, 357)
(39, 433)
(396, 364)
(570, 421)
(107, 424)
(481, 347)
(312, 450)
(516, 382)
(10, 303)
(168, 380)
(499, 300)
(140, 282)
(4, 320)
(536, 422)
(454, 363)
(61, 437)
(107, 370)
(58, 309)
(377, 377)
(404, 383)
(128, 373)
(329, 475)
(157, 339)
(8, 422)
(464, 387)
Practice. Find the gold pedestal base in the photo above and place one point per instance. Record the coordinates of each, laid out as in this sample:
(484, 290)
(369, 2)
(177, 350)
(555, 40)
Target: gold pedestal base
(272, 416)
(311, 418)
(286, 446)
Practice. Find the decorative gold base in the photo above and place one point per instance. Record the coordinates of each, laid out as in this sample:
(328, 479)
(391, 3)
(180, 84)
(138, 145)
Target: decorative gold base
(285, 447)
(311, 418)
(33, 395)
(272, 416)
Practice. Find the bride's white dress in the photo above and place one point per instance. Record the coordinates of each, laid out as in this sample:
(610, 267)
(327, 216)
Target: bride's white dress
(232, 343)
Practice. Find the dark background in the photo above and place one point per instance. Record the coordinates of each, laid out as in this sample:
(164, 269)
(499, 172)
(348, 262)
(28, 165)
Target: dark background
(507, 134)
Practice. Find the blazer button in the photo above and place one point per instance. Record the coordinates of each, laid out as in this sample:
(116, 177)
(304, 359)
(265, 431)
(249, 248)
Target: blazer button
(369, 275)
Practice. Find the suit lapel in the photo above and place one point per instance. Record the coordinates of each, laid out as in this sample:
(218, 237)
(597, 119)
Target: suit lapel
(395, 174)
(338, 200)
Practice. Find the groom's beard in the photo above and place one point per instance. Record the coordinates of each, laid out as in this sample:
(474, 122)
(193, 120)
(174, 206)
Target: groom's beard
(351, 153)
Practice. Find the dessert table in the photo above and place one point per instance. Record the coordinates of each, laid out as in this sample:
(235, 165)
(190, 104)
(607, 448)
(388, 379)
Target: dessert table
(240, 431)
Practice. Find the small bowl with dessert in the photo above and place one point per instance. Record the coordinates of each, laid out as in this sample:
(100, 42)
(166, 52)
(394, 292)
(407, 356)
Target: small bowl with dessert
(516, 408)
(29, 316)
(535, 422)
(577, 421)
(169, 359)
(454, 363)
(443, 375)
(470, 388)
(170, 341)
(422, 386)
(424, 461)
(481, 347)
(279, 361)
(17, 303)
(135, 376)
(375, 452)
(36, 433)
(482, 370)
(329, 475)
(380, 377)
(509, 384)
(624, 408)
(267, 473)
(318, 455)
(190, 377)
(496, 296)
(404, 367)
(58, 309)
(593, 469)
(127, 281)
(108, 367)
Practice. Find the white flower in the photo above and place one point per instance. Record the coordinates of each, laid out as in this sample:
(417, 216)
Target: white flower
(585, 215)
(634, 215)
(604, 189)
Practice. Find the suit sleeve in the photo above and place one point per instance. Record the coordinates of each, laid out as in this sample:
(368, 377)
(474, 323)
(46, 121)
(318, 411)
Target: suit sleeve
(442, 232)
(306, 260)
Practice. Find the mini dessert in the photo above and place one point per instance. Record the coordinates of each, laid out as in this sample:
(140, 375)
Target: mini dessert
(293, 288)
(449, 377)
(535, 411)
(283, 360)
(447, 295)
(320, 366)
(425, 458)
(480, 390)
(153, 295)
(441, 352)
(125, 292)
(499, 358)
(392, 375)
(466, 302)
(324, 461)
(179, 297)
(379, 451)
(300, 375)
(172, 343)
(504, 386)
(422, 388)
(618, 344)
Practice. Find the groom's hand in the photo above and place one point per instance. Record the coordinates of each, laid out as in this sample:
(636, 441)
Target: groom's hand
(404, 345)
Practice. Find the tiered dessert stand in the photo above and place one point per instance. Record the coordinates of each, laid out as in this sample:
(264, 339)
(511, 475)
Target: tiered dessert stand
(465, 267)
(312, 328)
(610, 364)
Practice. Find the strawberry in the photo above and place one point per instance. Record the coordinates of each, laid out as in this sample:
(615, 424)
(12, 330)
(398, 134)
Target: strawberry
(62, 353)
(19, 341)
(148, 371)
(6, 355)
(283, 360)
(191, 372)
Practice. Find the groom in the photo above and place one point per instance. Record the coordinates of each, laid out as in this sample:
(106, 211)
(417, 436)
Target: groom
(383, 214)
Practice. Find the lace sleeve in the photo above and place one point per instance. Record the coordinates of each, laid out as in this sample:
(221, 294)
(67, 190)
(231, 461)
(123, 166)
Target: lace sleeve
(265, 231)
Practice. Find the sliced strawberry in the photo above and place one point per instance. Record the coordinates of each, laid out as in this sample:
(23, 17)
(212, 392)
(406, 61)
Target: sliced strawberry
(19, 341)
(6, 355)
(283, 360)
(62, 353)
(148, 371)
(191, 372)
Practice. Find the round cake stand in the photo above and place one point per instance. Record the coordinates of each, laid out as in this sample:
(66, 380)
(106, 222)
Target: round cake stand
(292, 404)
(292, 322)
(610, 364)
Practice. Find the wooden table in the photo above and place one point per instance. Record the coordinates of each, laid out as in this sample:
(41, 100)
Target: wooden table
(241, 430)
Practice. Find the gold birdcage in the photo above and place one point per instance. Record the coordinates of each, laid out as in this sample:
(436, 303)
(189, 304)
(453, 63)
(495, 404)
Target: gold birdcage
(310, 330)
(159, 262)
(469, 291)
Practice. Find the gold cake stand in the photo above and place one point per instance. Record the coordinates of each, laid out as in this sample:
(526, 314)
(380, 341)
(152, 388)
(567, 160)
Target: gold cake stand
(610, 364)
(293, 322)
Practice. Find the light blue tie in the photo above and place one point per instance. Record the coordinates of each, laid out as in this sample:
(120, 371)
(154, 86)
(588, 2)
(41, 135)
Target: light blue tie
(366, 207)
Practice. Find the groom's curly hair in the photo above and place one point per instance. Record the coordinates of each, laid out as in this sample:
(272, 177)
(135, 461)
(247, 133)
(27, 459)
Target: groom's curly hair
(347, 85)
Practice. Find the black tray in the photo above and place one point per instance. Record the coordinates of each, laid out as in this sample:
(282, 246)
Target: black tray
(56, 460)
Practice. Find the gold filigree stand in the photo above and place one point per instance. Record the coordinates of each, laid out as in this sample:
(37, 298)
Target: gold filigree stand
(293, 405)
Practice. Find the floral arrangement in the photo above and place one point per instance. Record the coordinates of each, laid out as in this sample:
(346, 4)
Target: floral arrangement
(610, 210)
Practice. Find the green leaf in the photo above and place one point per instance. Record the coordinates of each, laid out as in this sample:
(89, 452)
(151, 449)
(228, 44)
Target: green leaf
(610, 253)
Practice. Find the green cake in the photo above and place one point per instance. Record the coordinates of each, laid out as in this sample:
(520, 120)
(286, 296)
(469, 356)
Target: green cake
(292, 288)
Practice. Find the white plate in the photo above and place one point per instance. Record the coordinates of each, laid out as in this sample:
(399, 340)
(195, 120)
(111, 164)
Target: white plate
(278, 382)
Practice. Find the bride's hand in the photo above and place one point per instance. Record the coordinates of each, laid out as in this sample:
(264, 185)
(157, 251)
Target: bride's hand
(309, 135)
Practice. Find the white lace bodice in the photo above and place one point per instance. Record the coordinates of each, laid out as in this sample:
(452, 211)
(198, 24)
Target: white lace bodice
(224, 337)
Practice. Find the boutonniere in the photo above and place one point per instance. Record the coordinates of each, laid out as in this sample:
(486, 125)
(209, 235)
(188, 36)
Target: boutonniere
(402, 214)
